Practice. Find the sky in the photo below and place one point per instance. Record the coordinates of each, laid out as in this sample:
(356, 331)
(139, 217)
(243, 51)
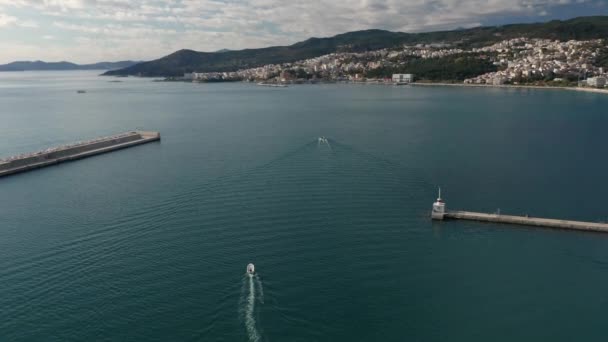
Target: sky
(88, 31)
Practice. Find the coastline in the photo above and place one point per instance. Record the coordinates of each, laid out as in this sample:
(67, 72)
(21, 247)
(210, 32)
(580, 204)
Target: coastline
(590, 90)
(432, 84)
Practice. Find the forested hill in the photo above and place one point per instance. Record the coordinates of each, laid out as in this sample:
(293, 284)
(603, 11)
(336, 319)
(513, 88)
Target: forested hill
(40, 65)
(182, 61)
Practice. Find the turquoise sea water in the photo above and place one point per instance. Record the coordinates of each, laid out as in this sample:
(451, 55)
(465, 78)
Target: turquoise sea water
(151, 243)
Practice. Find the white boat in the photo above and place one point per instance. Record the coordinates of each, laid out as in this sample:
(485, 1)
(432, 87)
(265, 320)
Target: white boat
(250, 269)
(276, 85)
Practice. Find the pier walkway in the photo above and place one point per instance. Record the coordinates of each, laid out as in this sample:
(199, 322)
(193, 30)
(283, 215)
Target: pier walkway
(56, 155)
(527, 221)
(439, 212)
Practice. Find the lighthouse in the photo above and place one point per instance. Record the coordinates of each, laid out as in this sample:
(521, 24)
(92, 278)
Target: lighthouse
(438, 208)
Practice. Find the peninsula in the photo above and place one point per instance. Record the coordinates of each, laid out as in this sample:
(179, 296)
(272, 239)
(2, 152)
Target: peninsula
(40, 65)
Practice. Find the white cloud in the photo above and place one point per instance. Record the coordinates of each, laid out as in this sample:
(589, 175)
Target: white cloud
(146, 29)
(7, 20)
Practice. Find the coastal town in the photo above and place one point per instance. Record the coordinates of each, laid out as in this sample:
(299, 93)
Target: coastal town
(522, 60)
(519, 61)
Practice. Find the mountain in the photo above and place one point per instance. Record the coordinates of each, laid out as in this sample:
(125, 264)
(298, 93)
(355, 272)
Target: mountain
(40, 65)
(182, 61)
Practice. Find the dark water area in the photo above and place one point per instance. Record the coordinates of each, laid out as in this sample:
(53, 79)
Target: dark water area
(151, 243)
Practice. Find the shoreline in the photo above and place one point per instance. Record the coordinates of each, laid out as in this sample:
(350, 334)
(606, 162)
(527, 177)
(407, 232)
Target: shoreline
(426, 84)
(589, 90)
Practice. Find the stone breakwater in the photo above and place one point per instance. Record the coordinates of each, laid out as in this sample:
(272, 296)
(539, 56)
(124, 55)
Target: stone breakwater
(527, 221)
(55, 155)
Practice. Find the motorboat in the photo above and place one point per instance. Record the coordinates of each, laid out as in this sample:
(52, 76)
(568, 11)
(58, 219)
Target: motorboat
(250, 269)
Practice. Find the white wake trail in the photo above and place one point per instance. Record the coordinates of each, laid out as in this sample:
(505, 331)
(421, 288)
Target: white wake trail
(252, 331)
(258, 282)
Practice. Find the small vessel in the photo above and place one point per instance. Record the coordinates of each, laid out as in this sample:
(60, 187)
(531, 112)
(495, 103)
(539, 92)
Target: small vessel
(275, 85)
(250, 269)
(81, 91)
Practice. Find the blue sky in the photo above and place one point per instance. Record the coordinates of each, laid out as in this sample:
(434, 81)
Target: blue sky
(86, 31)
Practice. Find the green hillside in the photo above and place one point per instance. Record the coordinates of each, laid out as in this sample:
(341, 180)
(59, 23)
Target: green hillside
(182, 61)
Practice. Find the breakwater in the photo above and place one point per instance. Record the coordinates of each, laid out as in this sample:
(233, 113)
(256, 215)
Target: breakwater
(527, 221)
(78, 150)
(439, 212)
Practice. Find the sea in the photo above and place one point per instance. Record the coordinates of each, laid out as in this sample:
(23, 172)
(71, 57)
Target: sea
(151, 243)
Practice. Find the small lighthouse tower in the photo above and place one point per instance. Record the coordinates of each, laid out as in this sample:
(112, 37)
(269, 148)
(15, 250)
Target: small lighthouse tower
(438, 208)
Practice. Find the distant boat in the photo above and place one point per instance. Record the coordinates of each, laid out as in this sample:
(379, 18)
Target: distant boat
(250, 269)
(272, 85)
(81, 91)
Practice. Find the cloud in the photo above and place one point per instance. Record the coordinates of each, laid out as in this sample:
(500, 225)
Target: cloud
(149, 29)
(6, 20)
(9, 20)
(28, 24)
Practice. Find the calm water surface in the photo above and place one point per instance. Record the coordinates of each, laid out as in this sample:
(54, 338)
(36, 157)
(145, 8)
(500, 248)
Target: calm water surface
(151, 243)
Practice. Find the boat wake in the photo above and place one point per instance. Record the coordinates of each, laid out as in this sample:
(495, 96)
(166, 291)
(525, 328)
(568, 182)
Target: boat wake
(252, 292)
(260, 292)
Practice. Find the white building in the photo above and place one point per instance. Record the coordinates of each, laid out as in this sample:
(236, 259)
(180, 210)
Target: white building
(598, 82)
(199, 75)
(403, 78)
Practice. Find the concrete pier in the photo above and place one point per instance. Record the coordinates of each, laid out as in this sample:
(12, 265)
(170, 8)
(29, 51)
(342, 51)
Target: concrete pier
(56, 155)
(527, 221)
(439, 212)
